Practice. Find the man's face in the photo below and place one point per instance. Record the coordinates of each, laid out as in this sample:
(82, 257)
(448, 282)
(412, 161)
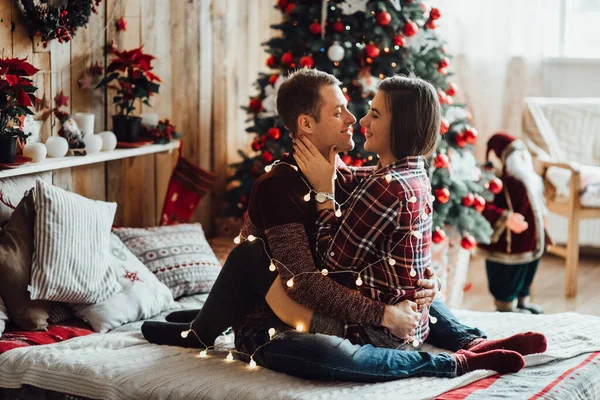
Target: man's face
(335, 123)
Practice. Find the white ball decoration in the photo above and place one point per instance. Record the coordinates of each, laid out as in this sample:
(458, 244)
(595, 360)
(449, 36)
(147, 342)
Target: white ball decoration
(335, 52)
(36, 151)
(109, 140)
(93, 143)
(57, 146)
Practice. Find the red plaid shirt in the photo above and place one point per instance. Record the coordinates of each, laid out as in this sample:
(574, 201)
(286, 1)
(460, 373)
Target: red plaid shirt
(384, 233)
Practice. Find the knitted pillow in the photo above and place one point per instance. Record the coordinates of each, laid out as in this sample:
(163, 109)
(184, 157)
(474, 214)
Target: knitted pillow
(3, 316)
(178, 255)
(143, 296)
(71, 247)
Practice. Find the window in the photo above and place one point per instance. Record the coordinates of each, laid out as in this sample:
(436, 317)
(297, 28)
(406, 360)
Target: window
(573, 28)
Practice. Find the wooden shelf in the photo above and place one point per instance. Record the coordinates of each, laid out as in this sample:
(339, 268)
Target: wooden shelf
(50, 164)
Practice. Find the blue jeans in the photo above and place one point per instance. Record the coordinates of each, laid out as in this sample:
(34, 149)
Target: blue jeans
(316, 356)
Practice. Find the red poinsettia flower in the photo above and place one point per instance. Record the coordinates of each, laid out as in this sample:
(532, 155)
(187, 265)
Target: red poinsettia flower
(130, 58)
(152, 77)
(17, 66)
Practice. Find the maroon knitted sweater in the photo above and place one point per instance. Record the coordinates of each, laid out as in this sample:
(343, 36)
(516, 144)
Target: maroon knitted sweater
(278, 213)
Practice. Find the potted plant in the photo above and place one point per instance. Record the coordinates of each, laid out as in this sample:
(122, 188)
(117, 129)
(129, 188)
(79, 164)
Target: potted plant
(16, 95)
(131, 70)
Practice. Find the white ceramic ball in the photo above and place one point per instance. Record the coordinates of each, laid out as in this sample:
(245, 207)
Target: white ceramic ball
(109, 140)
(93, 143)
(335, 52)
(36, 151)
(57, 146)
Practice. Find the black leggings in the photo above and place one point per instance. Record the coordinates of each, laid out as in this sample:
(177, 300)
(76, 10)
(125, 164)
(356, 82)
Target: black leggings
(241, 285)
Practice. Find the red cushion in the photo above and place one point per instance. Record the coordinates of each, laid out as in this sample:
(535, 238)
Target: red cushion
(12, 339)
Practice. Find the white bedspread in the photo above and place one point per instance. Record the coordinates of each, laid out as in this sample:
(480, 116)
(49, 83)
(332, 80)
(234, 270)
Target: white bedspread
(122, 365)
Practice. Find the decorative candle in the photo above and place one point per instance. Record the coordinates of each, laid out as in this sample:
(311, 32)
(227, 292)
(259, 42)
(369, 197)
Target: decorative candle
(85, 122)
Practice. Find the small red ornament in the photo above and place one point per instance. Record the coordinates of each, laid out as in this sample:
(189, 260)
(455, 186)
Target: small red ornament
(496, 186)
(438, 236)
(307, 61)
(444, 126)
(274, 133)
(442, 195)
(479, 203)
(399, 40)
(290, 8)
(96, 69)
(255, 105)
(410, 29)
(358, 162)
(339, 26)
(287, 59)
(271, 62)
(443, 71)
(282, 4)
(470, 135)
(441, 96)
(267, 157)
(435, 13)
(372, 51)
(468, 242)
(273, 78)
(121, 24)
(383, 18)
(256, 145)
(347, 97)
(441, 161)
(452, 89)
(468, 200)
(347, 159)
(431, 24)
(315, 28)
(444, 62)
(61, 100)
(460, 140)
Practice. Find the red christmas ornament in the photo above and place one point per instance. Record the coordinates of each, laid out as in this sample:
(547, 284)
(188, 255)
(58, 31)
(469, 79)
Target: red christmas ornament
(496, 186)
(460, 140)
(315, 28)
(290, 8)
(256, 145)
(431, 24)
(273, 78)
(121, 24)
(339, 26)
(435, 13)
(287, 59)
(468, 242)
(383, 18)
(347, 97)
(255, 105)
(271, 62)
(307, 61)
(479, 203)
(267, 157)
(443, 71)
(438, 236)
(399, 40)
(470, 135)
(347, 159)
(244, 199)
(282, 4)
(468, 200)
(452, 89)
(410, 29)
(274, 133)
(441, 161)
(61, 100)
(372, 51)
(444, 63)
(441, 96)
(442, 195)
(358, 162)
(444, 126)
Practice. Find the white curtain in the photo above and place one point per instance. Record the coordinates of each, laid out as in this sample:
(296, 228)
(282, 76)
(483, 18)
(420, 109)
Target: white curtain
(497, 48)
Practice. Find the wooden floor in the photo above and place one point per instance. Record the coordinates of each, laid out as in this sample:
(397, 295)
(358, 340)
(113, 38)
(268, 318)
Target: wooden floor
(548, 287)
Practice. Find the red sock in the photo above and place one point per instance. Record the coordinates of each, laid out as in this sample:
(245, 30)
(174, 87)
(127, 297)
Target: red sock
(501, 361)
(523, 343)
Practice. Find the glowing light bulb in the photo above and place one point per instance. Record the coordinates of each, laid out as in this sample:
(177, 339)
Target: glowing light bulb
(433, 319)
(290, 283)
(229, 357)
(388, 178)
(307, 197)
(359, 281)
(272, 332)
(252, 363)
(203, 354)
(391, 261)
(338, 213)
(413, 273)
(300, 327)
(268, 168)
(185, 334)
(416, 343)
(272, 267)
(324, 272)
(237, 239)
(417, 234)
(251, 238)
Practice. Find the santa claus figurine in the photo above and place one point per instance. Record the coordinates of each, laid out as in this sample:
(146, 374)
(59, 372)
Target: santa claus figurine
(517, 215)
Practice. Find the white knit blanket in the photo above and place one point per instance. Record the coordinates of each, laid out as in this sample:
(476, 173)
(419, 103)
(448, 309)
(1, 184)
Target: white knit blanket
(123, 365)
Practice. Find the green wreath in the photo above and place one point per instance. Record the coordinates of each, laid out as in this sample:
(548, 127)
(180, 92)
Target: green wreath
(49, 21)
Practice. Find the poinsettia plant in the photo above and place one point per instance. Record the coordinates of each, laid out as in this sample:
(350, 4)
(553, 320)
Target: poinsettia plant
(161, 133)
(16, 95)
(132, 71)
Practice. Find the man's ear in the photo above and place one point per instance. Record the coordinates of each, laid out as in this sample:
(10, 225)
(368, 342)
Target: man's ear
(305, 123)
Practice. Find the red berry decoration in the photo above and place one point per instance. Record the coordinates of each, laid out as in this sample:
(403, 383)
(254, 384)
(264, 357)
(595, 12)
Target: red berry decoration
(347, 159)
(358, 162)
(444, 126)
(470, 135)
(399, 40)
(372, 51)
(468, 200)
(496, 186)
(273, 78)
(289, 8)
(274, 133)
(267, 157)
(479, 204)
(441, 161)
(442, 195)
(287, 59)
(383, 18)
(452, 89)
(431, 24)
(435, 13)
(271, 62)
(255, 105)
(410, 29)
(444, 63)
(338, 26)
(256, 145)
(315, 28)
(460, 140)
(307, 61)
(468, 242)
(282, 4)
(438, 236)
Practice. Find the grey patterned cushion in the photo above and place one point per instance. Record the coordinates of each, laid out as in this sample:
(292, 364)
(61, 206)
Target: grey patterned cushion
(178, 255)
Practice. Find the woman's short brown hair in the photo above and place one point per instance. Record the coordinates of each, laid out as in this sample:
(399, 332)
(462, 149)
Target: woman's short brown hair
(299, 94)
(415, 115)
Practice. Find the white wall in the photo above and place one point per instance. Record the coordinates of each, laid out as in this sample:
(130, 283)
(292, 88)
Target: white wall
(571, 78)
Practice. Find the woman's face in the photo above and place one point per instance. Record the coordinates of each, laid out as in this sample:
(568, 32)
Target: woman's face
(377, 125)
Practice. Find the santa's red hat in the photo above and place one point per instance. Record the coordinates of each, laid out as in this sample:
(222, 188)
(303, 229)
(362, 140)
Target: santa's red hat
(498, 143)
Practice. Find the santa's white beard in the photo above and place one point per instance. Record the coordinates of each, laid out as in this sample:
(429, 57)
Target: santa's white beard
(519, 165)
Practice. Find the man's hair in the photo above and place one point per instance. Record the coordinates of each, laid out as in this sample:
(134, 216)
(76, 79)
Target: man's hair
(299, 94)
(415, 115)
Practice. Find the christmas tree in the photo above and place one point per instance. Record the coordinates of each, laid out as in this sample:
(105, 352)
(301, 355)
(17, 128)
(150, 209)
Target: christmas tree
(362, 42)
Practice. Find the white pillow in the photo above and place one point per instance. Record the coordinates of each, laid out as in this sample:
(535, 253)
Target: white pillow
(143, 295)
(71, 247)
(3, 316)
